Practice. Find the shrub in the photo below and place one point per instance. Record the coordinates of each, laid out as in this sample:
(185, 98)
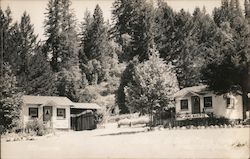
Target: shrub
(99, 116)
(37, 127)
(203, 121)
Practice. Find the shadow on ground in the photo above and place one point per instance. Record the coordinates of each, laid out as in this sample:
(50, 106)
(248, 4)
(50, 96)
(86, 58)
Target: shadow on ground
(124, 133)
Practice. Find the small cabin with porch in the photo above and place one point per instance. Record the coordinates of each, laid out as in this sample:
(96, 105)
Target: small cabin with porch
(56, 112)
(198, 101)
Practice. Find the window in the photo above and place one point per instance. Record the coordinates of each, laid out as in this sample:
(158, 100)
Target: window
(33, 112)
(230, 102)
(184, 104)
(61, 113)
(208, 102)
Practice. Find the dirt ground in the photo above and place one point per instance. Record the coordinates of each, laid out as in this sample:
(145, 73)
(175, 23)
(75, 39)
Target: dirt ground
(125, 142)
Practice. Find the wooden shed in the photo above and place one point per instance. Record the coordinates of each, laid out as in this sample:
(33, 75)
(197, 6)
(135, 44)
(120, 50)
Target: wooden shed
(83, 116)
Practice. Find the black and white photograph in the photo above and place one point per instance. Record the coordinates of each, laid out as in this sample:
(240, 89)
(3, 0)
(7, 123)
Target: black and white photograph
(125, 79)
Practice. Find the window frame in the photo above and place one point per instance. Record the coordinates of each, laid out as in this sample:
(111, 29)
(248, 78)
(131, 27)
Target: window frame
(37, 112)
(59, 116)
(208, 97)
(181, 104)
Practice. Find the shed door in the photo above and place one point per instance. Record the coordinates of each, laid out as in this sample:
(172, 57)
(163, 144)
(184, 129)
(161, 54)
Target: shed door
(195, 101)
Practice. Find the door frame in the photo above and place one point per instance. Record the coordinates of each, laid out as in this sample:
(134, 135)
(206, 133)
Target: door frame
(51, 111)
(195, 107)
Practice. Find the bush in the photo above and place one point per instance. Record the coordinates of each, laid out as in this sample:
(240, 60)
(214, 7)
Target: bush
(37, 127)
(203, 121)
(99, 116)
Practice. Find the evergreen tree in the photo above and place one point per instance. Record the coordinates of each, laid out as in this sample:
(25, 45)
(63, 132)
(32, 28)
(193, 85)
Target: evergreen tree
(62, 44)
(53, 32)
(85, 46)
(10, 100)
(13, 47)
(247, 10)
(165, 30)
(133, 30)
(229, 10)
(230, 72)
(27, 42)
(133, 27)
(68, 38)
(122, 17)
(9, 39)
(96, 48)
(41, 79)
(126, 78)
(198, 46)
(142, 38)
(221, 14)
(68, 83)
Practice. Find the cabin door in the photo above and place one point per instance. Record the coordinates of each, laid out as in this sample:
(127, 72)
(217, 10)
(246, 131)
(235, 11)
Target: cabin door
(195, 101)
(47, 113)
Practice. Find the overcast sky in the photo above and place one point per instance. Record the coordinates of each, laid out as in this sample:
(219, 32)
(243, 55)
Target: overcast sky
(36, 8)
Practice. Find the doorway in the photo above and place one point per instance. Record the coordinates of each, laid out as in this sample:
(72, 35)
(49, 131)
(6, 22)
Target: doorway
(195, 101)
(47, 113)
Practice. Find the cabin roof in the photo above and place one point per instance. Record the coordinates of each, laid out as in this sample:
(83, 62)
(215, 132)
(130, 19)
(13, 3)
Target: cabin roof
(195, 90)
(29, 99)
(86, 106)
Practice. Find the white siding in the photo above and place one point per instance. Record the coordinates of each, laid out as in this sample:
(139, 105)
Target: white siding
(25, 112)
(178, 105)
(221, 109)
(219, 106)
(56, 122)
(60, 123)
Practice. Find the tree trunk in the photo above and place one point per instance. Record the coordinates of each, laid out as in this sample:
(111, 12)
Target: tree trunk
(246, 90)
(245, 103)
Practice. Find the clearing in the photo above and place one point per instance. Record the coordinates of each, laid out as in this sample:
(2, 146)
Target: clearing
(125, 142)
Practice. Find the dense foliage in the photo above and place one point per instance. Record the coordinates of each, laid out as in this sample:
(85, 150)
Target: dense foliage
(229, 72)
(10, 100)
(154, 85)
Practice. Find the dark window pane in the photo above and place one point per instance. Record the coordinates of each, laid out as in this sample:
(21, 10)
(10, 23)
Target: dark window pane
(228, 101)
(208, 102)
(33, 112)
(61, 112)
(184, 104)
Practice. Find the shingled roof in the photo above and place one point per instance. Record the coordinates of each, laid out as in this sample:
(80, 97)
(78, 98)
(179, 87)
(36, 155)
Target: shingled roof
(29, 99)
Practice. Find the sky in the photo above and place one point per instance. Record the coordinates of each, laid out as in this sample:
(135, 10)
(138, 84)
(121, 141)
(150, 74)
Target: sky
(37, 8)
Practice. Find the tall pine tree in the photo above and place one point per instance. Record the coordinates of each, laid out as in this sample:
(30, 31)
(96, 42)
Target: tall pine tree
(53, 32)
(41, 79)
(96, 49)
(27, 45)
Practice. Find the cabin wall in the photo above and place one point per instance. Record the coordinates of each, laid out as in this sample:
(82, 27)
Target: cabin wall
(57, 122)
(219, 106)
(178, 105)
(25, 112)
(61, 123)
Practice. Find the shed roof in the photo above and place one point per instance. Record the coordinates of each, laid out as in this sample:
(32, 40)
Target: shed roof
(29, 99)
(86, 106)
(196, 90)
